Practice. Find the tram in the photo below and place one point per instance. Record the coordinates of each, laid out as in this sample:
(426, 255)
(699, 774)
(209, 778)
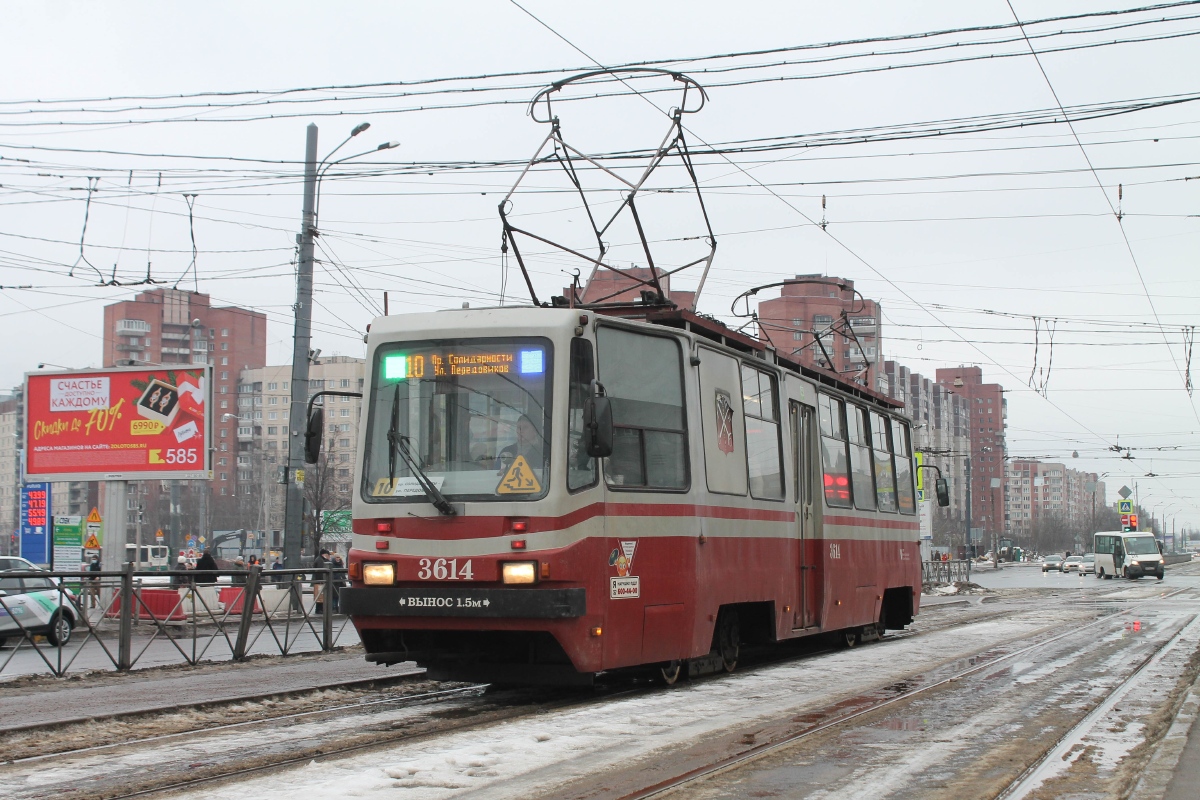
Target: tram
(547, 494)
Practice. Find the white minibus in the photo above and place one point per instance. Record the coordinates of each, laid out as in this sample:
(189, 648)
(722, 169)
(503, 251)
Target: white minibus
(1130, 554)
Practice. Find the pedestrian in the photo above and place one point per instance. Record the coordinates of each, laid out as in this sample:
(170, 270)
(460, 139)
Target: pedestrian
(239, 572)
(321, 562)
(339, 581)
(206, 568)
(94, 582)
(277, 565)
(178, 578)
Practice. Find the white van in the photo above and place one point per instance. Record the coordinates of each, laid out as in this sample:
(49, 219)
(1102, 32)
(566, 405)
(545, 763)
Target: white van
(1130, 555)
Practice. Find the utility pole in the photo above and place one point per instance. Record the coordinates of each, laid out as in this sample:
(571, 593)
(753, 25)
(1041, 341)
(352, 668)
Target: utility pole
(293, 528)
(968, 537)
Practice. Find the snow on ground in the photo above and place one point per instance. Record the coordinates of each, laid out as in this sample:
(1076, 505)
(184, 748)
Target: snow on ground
(508, 759)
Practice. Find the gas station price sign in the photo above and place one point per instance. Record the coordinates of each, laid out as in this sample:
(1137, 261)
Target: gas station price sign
(418, 363)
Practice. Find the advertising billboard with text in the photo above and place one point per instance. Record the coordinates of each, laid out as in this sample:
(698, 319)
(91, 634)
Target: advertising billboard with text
(118, 424)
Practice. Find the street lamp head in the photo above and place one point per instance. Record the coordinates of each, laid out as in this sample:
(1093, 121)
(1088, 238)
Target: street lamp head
(388, 145)
(359, 128)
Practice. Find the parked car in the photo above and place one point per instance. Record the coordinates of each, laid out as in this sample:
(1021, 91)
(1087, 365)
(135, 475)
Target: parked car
(1073, 564)
(1088, 565)
(18, 563)
(38, 606)
(1052, 562)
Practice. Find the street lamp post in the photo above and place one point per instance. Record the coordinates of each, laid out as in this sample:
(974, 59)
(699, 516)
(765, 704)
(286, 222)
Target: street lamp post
(302, 339)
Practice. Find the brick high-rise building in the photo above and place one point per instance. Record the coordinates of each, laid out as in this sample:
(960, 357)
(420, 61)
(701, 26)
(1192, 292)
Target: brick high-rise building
(849, 328)
(1042, 495)
(988, 446)
(170, 327)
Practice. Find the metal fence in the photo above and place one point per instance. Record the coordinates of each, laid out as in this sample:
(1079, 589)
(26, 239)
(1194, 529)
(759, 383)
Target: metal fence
(61, 621)
(935, 572)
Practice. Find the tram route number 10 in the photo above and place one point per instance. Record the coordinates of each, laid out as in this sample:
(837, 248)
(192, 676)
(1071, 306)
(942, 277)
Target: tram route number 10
(443, 570)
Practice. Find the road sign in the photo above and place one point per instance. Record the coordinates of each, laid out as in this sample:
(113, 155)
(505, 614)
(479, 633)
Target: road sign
(1124, 506)
(191, 542)
(94, 530)
(1124, 491)
(118, 424)
(68, 542)
(158, 535)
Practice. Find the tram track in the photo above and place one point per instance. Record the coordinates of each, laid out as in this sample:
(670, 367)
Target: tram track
(749, 756)
(457, 709)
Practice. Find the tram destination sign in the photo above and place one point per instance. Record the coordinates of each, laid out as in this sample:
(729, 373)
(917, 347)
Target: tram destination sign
(118, 424)
(439, 362)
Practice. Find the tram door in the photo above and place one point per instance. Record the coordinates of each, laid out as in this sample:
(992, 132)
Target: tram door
(803, 454)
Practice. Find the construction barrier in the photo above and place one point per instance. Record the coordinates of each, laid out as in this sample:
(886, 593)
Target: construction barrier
(160, 604)
(233, 600)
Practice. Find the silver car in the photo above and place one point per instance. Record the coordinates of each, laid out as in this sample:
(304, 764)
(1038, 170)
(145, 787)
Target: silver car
(1088, 565)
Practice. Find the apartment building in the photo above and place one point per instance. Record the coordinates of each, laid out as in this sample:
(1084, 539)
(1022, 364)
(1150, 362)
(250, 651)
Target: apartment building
(822, 322)
(261, 430)
(939, 430)
(1043, 492)
(986, 421)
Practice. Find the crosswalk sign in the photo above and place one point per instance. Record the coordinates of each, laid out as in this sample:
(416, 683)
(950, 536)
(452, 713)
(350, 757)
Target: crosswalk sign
(1124, 506)
(520, 479)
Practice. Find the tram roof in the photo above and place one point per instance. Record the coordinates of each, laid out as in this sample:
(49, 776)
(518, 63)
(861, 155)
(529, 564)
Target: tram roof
(716, 331)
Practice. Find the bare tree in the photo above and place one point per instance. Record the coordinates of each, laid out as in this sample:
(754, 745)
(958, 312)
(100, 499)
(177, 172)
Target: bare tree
(322, 492)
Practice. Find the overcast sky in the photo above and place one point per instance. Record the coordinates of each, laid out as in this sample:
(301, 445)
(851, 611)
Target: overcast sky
(982, 236)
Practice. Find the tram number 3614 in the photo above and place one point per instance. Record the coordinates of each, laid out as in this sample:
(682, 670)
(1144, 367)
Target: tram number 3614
(444, 570)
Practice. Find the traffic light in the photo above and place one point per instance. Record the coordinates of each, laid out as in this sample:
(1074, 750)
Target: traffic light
(1131, 525)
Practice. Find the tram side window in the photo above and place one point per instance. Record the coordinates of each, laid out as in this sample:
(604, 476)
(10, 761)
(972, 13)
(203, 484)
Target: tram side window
(905, 496)
(581, 468)
(860, 458)
(834, 459)
(885, 475)
(763, 454)
(643, 376)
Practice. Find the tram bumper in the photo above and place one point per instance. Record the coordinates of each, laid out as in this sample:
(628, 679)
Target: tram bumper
(486, 603)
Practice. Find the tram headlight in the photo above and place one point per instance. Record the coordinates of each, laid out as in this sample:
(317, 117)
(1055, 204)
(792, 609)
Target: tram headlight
(379, 574)
(519, 572)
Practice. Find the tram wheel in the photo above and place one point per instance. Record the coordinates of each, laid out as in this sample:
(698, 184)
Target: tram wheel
(671, 672)
(729, 636)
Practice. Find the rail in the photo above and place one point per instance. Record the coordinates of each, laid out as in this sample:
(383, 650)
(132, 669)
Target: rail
(58, 621)
(940, 572)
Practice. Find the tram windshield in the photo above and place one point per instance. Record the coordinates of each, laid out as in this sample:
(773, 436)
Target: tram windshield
(473, 418)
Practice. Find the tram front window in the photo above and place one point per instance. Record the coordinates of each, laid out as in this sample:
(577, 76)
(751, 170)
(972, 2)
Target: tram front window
(472, 416)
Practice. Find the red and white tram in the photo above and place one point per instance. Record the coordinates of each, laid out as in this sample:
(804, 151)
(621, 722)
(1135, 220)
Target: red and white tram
(743, 498)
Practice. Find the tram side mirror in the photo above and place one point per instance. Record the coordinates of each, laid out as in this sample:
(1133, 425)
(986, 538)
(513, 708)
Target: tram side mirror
(942, 487)
(313, 434)
(598, 426)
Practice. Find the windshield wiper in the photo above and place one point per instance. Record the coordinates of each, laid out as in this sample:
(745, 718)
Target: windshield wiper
(398, 443)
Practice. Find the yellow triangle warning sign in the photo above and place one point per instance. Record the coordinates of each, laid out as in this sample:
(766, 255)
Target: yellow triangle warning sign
(520, 479)
(91, 543)
(94, 516)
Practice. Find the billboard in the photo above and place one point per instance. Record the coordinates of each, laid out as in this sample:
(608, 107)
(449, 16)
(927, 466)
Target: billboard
(119, 424)
(35, 522)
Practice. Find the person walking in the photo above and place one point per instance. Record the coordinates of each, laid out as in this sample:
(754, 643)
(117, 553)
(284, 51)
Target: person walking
(320, 562)
(339, 581)
(94, 582)
(206, 568)
(240, 570)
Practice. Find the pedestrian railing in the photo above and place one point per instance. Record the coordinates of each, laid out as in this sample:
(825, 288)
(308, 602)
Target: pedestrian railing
(57, 622)
(938, 572)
